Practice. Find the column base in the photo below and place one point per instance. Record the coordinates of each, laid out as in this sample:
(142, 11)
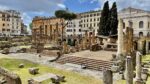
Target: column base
(139, 82)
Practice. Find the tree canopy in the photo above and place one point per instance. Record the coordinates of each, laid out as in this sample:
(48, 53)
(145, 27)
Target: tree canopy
(109, 20)
(113, 19)
(65, 14)
(104, 20)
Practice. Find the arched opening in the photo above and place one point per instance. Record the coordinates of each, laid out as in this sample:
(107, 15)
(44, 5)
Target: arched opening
(140, 34)
(130, 24)
(141, 24)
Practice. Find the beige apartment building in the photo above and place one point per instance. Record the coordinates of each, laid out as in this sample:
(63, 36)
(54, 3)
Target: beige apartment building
(138, 19)
(5, 29)
(90, 21)
(10, 23)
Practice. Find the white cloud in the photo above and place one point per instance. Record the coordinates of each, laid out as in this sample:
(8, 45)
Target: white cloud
(34, 7)
(61, 6)
(96, 9)
(141, 4)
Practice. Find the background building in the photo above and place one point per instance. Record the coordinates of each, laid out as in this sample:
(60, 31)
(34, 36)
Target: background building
(90, 21)
(73, 28)
(138, 19)
(5, 28)
(24, 29)
(10, 23)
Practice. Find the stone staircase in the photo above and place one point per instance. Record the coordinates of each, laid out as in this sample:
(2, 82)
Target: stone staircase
(92, 64)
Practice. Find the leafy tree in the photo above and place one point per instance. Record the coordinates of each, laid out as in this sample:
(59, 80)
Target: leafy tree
(30, 25)
(104, 27)
(113, 19)
(65, 14)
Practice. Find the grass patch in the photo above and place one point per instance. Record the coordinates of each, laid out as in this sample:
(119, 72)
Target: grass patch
(71, 77)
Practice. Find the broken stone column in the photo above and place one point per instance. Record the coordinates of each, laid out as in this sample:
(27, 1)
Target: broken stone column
(107, 77)
(138, 79)
(120, 38)
(65, 47)
(129, 70)
(129, 48)
(147, 47)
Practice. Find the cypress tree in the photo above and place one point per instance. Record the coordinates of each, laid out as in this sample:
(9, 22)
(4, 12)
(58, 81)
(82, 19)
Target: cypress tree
(104, 27)
(113, 19)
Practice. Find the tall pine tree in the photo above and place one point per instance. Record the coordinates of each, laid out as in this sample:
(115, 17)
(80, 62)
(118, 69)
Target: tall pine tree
(113, 19)
(104, 27)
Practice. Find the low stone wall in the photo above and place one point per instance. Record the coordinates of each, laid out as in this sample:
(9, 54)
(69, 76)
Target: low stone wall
(31, 50)
(50, 52)
(10, 77)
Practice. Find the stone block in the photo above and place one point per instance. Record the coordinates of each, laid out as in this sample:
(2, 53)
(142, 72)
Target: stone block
(144, 76)
(5, 51)
(33, 71)
(21, 66)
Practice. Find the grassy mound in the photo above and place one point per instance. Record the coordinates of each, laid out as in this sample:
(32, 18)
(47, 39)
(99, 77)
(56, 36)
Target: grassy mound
(71, 77)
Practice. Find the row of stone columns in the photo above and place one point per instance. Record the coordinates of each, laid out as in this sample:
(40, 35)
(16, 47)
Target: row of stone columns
(108, 77)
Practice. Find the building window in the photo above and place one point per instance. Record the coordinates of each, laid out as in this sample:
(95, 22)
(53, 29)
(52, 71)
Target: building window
(94, 24)
(3, 15)
(148, 24)
(3, 25)
(140, 34)
(91, 20)
(141, 24)
(8, 29)
(130, 24)
(3, 29)
(91, 15)
(90, 25)
(148, 34)
(79, 30)
(3, 19)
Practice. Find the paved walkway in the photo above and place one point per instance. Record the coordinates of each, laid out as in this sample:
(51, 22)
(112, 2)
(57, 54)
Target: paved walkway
(100, 55)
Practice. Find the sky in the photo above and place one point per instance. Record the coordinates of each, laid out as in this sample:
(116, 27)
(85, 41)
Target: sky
(32, 8)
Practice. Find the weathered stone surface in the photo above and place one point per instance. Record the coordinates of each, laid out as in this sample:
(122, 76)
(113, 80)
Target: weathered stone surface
(33, 71)
(115, 68)
(21, 66)
(120, 38)
(138, 65)
(9, 77)
(95, 47)
(129, 70)
(107, 77)
(144, 76)
(5, 51)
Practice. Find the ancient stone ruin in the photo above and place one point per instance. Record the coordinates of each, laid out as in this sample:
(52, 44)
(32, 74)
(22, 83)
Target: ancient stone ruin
(9, 77)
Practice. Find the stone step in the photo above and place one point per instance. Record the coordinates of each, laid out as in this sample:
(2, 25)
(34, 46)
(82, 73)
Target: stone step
(89, 63)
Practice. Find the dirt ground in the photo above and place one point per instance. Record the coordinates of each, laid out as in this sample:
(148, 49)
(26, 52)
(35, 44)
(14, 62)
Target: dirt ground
(100, 55)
